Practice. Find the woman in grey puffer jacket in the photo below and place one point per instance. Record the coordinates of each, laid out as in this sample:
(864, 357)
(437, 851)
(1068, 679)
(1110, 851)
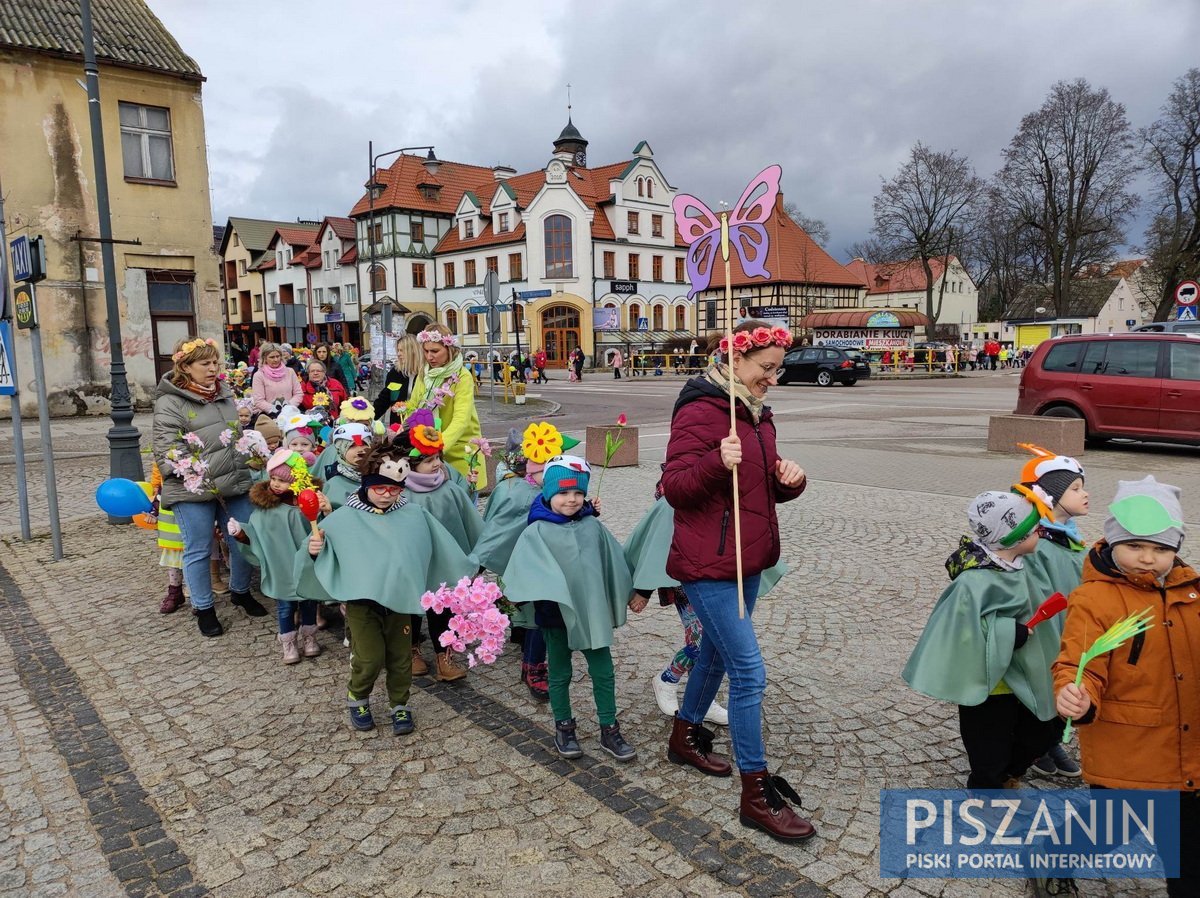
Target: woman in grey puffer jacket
(192, 408)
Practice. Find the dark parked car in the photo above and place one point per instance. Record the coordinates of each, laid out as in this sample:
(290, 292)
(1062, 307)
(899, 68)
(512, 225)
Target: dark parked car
(825, 366)
(1145, 386)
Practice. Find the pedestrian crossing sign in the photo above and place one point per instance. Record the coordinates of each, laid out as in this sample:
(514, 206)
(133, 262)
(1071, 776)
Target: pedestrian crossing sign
(1186, 313)
(8, 383)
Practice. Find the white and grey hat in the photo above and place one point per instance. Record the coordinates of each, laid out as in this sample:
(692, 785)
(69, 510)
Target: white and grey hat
(1145, 510)
(1001, 520)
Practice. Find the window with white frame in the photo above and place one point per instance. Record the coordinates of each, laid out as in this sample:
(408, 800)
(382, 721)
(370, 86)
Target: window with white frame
(271, 300)
(318, 296)
(351, 291)
(146, 142)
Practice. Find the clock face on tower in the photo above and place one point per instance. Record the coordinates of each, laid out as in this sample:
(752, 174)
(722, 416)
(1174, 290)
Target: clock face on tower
(581, 158)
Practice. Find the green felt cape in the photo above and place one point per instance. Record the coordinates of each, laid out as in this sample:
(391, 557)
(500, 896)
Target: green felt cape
(580, 566)
(503, 522)
(338, 488)
(327, 457)
(1054, 568)
(392, 559)
(276, 534)
(647, 546)
(454, 510)
(967, 646)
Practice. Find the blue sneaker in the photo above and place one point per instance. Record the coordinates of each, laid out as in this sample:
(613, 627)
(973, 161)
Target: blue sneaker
(360, 713)
(1064, 764)
(403, 720)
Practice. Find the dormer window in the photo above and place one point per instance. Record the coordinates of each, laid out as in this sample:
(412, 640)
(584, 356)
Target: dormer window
(429, 191)
(503, 222)
(468, 229)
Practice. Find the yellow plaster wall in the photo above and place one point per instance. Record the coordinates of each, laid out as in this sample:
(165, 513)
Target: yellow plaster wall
(48, 180)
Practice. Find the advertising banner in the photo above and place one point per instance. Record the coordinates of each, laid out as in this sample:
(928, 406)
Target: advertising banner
(606, 319)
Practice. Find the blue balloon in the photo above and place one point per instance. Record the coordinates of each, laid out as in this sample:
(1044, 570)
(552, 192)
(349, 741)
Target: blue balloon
(122, 498)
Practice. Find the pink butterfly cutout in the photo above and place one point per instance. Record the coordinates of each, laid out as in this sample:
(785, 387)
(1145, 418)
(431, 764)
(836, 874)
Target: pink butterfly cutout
(701, 228)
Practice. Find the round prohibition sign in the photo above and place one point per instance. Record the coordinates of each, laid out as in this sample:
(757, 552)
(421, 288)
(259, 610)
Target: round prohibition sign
(1187, 293)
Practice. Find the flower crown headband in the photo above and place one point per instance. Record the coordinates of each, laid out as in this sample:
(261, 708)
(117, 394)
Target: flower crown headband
(192, 346)
(435, 337)
(759, 338)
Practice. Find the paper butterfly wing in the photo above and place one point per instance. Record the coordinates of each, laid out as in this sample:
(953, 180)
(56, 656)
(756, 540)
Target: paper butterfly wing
(693, 217)
(750, 241)
(758, 199)
(701, 257)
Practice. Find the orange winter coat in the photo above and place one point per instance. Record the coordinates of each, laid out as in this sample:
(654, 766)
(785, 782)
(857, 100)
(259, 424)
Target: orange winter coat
(1143, 730)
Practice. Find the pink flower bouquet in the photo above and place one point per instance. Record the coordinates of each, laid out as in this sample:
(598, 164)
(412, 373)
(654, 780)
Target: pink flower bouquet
(477, 625)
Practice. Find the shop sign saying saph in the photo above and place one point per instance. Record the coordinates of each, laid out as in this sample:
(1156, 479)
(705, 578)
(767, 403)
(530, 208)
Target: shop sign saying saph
(864, 337)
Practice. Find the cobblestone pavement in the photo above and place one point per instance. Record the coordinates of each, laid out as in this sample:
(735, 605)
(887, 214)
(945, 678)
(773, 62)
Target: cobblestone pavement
(141, 759)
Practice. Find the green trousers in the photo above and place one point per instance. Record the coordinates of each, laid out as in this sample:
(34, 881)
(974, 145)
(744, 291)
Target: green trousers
(379, 639)
(600, 669)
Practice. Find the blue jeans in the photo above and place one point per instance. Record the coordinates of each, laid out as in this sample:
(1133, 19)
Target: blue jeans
(729, 647)
(286, 613)
(196, 520)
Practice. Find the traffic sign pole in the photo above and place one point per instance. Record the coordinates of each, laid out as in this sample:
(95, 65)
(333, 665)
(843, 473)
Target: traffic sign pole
(39, 371)
(15, 399)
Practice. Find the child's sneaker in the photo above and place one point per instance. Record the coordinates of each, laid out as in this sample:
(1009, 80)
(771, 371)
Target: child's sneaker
(291, 654)
(565, 739)
(309, 647)
(1057, 761)
(614, 743)
(360, 714)
(403, 720)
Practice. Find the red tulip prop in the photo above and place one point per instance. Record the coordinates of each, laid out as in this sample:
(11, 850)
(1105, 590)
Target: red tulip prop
(1047, 610)
(310, 506)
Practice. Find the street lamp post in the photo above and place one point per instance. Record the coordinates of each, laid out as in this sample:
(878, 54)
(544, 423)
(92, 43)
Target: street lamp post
(431, 165)
(124, 457)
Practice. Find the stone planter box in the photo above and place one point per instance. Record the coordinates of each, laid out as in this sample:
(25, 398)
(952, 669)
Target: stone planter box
(625, 456)
(1064, 436)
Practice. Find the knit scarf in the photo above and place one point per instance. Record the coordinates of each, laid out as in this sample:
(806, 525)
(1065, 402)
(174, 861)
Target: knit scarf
(208, 394)
(434, 378)
(275, 373)
(424, 483)
(718, 375)
(360, 502)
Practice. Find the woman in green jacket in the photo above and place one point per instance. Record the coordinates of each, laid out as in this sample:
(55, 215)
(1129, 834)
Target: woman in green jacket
(448, 390)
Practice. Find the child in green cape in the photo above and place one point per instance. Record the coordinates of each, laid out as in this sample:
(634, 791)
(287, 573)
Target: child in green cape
(270, 539)
(1057, 483)
(351, 442)
(977, 652)
(429, 485)
(379, 554)
(574, 572)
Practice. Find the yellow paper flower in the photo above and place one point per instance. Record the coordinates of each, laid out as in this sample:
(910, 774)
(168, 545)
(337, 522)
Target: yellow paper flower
(541, 442)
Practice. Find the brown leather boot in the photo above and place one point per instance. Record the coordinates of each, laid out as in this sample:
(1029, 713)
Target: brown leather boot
(765, 806)
(692, 744)
(448, 670)
(419, 667)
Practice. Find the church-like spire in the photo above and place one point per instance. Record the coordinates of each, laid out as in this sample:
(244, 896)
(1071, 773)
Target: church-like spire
(571, 145)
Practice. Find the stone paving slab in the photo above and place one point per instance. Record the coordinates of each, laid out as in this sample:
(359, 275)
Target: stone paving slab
(249, 768)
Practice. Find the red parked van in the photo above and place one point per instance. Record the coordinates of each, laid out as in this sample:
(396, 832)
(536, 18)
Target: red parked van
(1144, 386)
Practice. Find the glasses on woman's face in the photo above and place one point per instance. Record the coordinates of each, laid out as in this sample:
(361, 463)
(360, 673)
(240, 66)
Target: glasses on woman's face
(770, 371)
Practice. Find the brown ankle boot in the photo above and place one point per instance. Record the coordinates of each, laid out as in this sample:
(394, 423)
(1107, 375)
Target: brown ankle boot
(448, 670)
(692, 744)
(419, 667)
(765, 806)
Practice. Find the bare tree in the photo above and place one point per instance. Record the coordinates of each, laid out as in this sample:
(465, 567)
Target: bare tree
(814, 227)
(926, 211)
(1002, 257)
(1066, 179)
(1171, 147)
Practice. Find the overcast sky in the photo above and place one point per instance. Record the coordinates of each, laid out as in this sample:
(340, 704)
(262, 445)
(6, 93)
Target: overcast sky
(836, 92)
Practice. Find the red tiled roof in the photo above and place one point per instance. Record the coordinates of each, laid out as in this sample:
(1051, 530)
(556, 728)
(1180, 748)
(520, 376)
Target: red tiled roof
(309, 258)
(860, 317)
(343, 227)
(349, 257)
(895, 277)
(401, 178)
(487, 237)
(792, 258)
(266, 264)
(300, 235)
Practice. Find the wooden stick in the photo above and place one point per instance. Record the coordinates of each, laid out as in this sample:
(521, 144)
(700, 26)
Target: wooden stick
(729, 322)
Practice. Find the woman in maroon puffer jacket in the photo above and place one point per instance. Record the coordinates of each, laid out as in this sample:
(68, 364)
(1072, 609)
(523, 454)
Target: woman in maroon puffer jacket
(698, 482)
